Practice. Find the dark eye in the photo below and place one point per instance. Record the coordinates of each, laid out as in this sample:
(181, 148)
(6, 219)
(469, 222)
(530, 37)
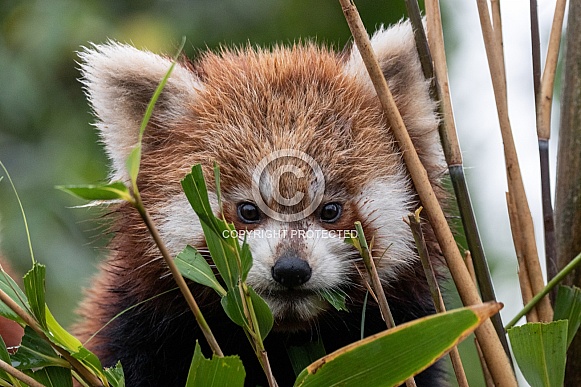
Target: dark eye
(248, 212)
(331, 212)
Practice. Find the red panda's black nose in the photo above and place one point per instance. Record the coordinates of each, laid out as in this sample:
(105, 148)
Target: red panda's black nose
(291, 271)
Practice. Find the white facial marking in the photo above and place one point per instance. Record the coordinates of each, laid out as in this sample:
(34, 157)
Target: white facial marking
(384, 203)
(179, 225)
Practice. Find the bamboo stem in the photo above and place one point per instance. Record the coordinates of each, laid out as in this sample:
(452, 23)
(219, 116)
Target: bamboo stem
(376, 285)
(470, 265)
(495, 355)
(413, 222)
(523, 274)
(448, 134)
(263, 357)
(544, 103)
(254, 333)
(374, 277)
(548, 220)
(535, 49)
(414, 14)
(178, 278)
(568, 185)
(548, 215)
(87, 375)
(453, 155)
(486, 373)
(548, 79)
(19, 374)
(515, 184)
(552, 283)
(497, 28)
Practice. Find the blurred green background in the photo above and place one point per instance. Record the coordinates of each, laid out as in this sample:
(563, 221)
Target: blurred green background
(46, 137)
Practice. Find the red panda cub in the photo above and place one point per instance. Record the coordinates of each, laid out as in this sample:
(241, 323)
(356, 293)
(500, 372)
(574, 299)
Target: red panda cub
(304, 151)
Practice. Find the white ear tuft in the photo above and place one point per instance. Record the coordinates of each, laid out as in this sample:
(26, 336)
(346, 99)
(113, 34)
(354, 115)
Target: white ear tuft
(396, 51)
(119, 82)
(387, 43)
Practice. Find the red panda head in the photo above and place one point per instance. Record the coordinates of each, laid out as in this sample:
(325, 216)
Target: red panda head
(304, 151)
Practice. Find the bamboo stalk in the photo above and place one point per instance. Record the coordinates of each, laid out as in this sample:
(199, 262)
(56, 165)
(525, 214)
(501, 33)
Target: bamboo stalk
(552, 283)
(523, 274)
(413, 222)
(254, 333)
(497, 28)
(543, 108)
(470, 265)
(548, 215)
(453, 155)
(568, 186)
(485, 372)
(414, 14)
(179, 279)
(263, 357)
(448, 134)
(548, 79)
(374, 277)
(515, 184)
(87, 375)
(494, 353)
(548, 220)
(535, 49)
(376, 285)
(19, 374)
(483, 366)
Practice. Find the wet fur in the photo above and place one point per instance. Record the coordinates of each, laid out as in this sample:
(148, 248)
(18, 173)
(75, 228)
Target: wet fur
(235, 107)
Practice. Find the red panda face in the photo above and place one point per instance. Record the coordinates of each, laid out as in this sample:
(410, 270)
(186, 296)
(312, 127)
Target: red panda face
(304, 152)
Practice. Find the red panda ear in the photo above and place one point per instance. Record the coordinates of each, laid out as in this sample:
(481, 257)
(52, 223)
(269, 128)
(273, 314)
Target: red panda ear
(119, 82)
(396, 51)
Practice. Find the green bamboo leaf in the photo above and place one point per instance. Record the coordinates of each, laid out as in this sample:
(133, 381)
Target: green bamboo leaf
(373, 362)
(115, 375)
(52, 376)
(59, 336)
(302, 356)
(218, 190)
(133, 161)
(246, 259)
(232, 260)
(34, 287)
(221, 247)
(540, 349)
(112, 191)
(353, 240)
(21, 212)
(194, 266)
(196, 191)
(223, 254)
(10, 287)
(568, 307)
(35, 352)
(336, 299)
(5, 356)
(217, 372)
(232, 305)
(262, 313)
